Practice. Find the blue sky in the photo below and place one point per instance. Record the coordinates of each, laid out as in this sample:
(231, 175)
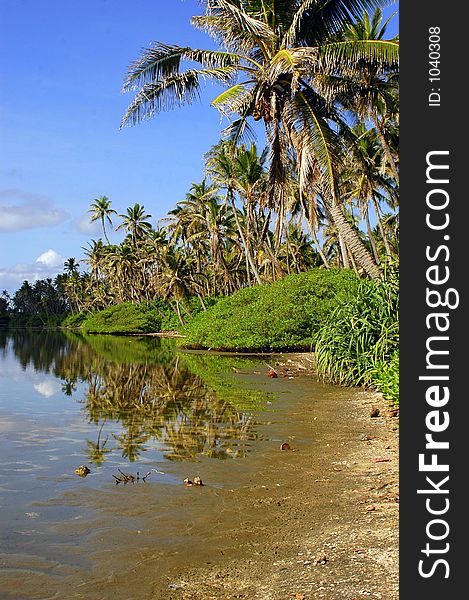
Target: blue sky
(62, 64)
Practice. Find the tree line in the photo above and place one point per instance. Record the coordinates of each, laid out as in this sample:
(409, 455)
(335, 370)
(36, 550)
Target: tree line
(322, 80)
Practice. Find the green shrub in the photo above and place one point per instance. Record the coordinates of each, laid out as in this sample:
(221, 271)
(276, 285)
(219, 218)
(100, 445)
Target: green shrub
(360, 336)
(123, 318)
(169, 318)
(74, 320)
(36, 321)
(385, 378)
(278, 316)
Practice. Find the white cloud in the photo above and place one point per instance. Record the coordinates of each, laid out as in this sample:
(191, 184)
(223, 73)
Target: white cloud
(12, 370)
(51, 259)
(48, 387)
(48, 264)
(23, 210)
(84, 225)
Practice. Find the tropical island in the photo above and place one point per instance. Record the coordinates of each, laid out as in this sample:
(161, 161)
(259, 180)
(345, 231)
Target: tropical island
(289, 242)
(266, 252)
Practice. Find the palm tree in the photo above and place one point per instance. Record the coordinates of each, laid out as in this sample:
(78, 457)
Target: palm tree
(367, 183)
(122, 268)
(206, 225)
(178, 281)
(71, 266)
(134, 222)
(275, 62)
(101, 209)
(95, 254)
(374, 93)
(222, 167)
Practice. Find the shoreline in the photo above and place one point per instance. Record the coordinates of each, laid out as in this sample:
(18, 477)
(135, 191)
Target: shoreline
(351, 554)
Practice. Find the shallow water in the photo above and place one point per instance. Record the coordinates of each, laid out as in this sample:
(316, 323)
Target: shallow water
(131, 405)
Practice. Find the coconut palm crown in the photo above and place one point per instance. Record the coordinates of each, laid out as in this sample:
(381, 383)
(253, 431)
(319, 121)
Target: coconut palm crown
(275, 60)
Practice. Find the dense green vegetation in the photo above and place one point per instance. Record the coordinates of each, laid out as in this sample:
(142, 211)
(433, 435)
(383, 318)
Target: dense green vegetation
(279, 316)
(385, 377)
(351, 324)
(358, 342)
(123, 318)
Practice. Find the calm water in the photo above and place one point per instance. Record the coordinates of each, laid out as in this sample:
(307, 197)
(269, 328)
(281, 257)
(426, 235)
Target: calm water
(127, 405)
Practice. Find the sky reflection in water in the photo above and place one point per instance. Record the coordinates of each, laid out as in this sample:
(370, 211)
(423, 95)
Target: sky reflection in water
(113, 403)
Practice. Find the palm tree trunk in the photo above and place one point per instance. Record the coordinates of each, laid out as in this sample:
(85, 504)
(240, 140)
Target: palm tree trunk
(381, 228)
(287, 248)
(104, 230)
(352, 260)
(343, 250)
(371, 237)
(244, 242)
(178, 312)
(202, 303)
(276, 267)
(352, 240)
(386, 148)
(319, 247)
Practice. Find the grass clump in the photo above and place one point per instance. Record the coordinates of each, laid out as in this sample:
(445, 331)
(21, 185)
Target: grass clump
(123, 318)
(385, 377)
(74, 320)
(278, 316)
(358, 344)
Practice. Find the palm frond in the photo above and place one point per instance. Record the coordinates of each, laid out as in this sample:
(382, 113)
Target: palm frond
(290, 36)
(172, 91)
(277, 14)
(239, 131)
(162, 60)
(317, 144)
(242, 20)
(233, 26)
(368, 29)
(316, 21)
(294, 61)
(229, 99)
(349, 56)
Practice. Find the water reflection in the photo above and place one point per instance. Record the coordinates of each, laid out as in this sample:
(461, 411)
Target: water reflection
(185, 405)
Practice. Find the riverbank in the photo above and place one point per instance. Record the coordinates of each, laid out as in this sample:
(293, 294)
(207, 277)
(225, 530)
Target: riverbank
(332, 532)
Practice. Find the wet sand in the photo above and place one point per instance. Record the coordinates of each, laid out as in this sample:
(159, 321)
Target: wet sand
(330, 529)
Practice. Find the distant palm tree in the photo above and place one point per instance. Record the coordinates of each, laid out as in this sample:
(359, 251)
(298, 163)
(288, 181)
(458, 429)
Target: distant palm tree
(71, 266)
(223, 168)
(95, 254)
(135, 223)
(178, 281)
(367, 182)
(101, 210)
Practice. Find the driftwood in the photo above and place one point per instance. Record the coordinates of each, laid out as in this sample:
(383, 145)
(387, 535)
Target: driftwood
(129, 478)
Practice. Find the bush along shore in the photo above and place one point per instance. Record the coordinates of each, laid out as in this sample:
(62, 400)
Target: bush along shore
(351, 324)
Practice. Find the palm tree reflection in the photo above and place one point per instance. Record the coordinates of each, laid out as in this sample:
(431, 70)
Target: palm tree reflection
(183, 405)
(97, 450)
(167, 404)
